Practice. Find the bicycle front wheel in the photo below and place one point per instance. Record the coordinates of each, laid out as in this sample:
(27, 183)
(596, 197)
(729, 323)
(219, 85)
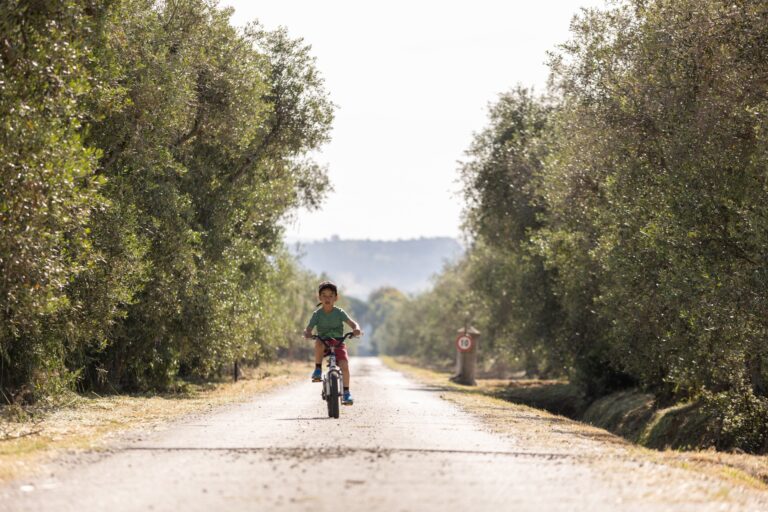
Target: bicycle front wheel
(334, 396)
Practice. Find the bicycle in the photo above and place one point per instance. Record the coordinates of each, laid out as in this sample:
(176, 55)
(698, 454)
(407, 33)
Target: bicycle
(333, 377)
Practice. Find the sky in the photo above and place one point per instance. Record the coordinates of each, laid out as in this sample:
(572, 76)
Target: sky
(412, 81)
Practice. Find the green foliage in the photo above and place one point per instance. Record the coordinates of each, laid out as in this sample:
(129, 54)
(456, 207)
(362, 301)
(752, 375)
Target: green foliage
(149, 154)
(618, 229)
(665, 97)
(296, 297)
(382, 305)
(739, 419)
(503, 208)
(502, 286)
(426, 325)
(49, 190)
(212, 171)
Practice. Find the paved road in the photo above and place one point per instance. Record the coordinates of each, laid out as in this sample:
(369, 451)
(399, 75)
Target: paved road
(399, 448)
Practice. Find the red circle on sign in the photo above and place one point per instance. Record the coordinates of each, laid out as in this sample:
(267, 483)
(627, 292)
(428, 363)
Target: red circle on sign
(464, 343)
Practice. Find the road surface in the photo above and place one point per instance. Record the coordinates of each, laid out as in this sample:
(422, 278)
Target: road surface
(399, 448)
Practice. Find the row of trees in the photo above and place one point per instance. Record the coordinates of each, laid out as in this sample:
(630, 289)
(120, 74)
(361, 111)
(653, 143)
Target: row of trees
(618, 226)
(148, 153)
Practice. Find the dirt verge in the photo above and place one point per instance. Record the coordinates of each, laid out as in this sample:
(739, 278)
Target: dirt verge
(485, 400)
(31, 437)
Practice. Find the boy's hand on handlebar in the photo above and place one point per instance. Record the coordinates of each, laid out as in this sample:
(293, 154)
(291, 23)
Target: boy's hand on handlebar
(357, 333)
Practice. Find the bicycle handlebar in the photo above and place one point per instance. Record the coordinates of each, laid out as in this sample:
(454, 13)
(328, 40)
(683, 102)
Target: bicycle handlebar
(326, 339)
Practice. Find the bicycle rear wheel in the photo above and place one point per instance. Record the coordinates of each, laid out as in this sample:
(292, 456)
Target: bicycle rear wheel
(334, 396)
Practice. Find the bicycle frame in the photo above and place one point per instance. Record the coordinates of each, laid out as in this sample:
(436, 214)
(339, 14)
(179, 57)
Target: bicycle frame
(333, 378)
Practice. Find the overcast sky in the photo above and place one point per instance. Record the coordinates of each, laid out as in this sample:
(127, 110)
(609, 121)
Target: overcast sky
(412, 81)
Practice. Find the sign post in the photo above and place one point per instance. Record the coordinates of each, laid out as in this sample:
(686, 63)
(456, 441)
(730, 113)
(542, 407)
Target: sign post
(466, 356)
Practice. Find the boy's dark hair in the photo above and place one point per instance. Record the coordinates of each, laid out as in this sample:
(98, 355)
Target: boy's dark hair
(327, 285)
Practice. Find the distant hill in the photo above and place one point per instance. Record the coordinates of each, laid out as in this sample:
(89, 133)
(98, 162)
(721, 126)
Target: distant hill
(361, 266)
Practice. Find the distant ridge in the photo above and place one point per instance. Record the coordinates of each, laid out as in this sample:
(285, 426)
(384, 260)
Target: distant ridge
(361, 266)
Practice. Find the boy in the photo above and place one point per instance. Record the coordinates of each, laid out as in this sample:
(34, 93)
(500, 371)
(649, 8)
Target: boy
(329, 321)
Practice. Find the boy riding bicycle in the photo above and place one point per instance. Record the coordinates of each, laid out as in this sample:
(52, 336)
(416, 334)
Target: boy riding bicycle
(329, 321)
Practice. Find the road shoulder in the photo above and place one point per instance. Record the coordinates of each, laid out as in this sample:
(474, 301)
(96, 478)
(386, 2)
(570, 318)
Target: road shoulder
(534, 427)
(30, 439)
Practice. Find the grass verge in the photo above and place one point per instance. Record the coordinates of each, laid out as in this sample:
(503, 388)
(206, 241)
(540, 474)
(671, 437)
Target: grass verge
(743, 469)
(29, 437)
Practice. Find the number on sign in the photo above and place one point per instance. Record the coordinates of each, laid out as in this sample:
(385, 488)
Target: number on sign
(464, 343)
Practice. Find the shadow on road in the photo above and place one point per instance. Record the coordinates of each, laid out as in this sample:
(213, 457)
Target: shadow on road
(303, 419)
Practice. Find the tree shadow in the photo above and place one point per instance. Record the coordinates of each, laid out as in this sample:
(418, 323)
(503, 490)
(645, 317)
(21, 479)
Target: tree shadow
(434, 388)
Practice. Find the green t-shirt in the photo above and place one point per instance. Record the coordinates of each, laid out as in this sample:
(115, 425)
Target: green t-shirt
(328, 324)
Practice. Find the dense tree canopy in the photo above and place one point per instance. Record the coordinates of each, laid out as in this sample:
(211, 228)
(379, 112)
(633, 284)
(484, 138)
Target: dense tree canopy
(148, 154)
(618, 227)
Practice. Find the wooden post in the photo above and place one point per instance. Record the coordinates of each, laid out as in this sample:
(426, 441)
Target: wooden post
(466, 356)
(237, 369)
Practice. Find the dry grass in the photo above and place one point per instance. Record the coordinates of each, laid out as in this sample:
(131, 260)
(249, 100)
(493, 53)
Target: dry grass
(504, 417)
(747, 469)
(28, 439)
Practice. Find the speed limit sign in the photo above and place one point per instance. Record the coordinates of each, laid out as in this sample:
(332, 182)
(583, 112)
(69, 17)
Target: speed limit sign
(464, 343)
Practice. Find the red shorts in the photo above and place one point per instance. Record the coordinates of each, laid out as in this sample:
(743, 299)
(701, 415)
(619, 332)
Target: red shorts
(341, 352)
